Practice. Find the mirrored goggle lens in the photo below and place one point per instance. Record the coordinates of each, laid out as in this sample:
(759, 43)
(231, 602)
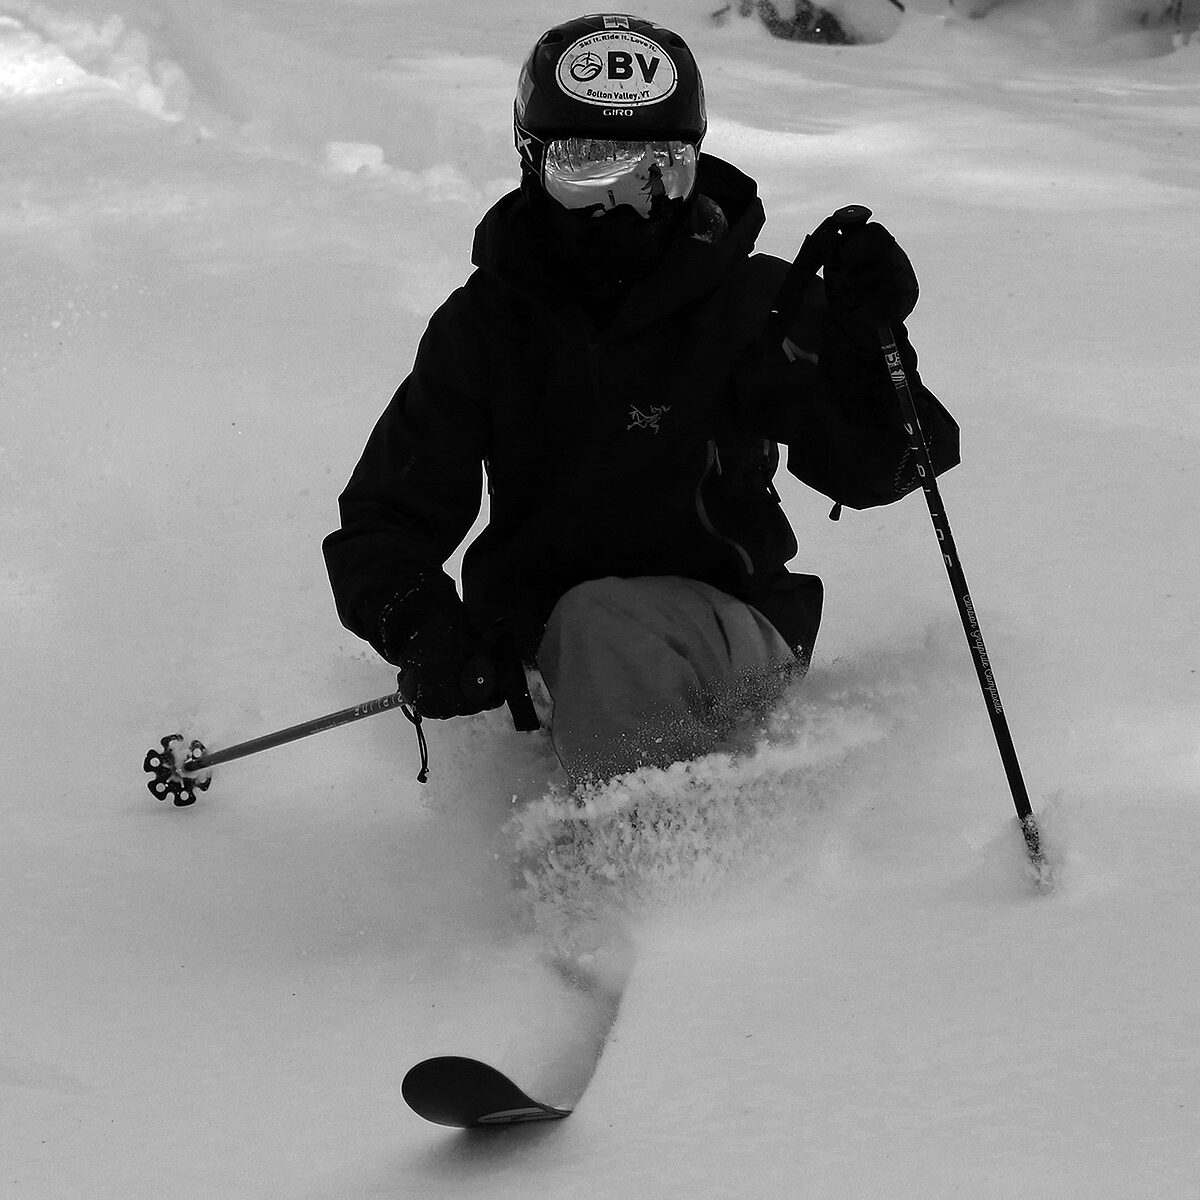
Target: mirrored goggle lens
(590, 172)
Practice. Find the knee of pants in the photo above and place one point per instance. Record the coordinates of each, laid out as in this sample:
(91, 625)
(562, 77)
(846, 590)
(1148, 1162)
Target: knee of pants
(606, 643)
(578, 605)
(593, 612)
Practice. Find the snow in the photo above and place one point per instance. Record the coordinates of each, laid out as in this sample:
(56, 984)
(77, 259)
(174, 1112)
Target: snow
(224, 227)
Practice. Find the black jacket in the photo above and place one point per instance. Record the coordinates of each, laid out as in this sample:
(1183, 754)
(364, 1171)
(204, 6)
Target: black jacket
(632, 433)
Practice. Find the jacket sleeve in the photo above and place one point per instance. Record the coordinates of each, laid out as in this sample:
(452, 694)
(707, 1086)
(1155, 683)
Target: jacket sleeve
(417, 487)
(834, 406)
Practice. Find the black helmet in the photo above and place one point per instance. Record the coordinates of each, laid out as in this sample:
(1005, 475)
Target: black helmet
(607, 76)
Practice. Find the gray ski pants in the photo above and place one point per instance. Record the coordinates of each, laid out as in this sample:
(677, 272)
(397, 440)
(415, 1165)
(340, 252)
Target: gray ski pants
(655, 670)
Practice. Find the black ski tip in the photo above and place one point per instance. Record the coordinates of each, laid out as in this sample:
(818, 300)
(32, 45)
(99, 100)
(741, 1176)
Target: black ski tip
(464, 1093)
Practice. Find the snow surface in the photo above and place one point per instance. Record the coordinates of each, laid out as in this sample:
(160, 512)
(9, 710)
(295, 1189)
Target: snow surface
(224, 226)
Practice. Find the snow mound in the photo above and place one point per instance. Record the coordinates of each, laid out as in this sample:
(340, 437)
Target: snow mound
(45, 51)
(1136, 26)
(353, 158)
(866, 21)
(30, 67)
(823, 22)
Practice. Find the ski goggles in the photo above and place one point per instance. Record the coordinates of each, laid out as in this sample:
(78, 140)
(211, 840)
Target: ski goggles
(591, 172)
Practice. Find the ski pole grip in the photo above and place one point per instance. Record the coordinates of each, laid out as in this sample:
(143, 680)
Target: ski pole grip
(814, 253)
(478, 682)
(488, 676)
(485, 679)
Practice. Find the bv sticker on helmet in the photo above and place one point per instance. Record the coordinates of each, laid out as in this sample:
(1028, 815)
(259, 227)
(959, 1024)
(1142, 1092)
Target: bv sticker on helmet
(617, 67)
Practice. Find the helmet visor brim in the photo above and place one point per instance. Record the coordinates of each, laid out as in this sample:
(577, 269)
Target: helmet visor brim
(594, 172)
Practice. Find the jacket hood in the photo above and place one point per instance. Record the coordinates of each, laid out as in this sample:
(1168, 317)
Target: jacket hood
(517, 244)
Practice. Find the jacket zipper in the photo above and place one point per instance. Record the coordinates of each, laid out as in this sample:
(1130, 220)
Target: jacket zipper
(714, 461)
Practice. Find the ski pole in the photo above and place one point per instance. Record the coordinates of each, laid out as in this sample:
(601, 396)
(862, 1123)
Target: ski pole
(966, 608)
(813, 254)
(179, 768)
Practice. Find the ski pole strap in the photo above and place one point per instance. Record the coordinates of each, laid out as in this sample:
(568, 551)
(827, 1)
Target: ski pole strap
(422, 745)
(485, 678)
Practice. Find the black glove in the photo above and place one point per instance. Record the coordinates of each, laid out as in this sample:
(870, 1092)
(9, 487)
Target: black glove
(869, 280)
(426, 632)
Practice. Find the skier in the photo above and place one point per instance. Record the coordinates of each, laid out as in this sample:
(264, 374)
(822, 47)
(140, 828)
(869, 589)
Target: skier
(616, 365)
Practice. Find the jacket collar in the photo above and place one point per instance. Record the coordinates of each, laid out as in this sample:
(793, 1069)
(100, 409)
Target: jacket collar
(514, 244)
